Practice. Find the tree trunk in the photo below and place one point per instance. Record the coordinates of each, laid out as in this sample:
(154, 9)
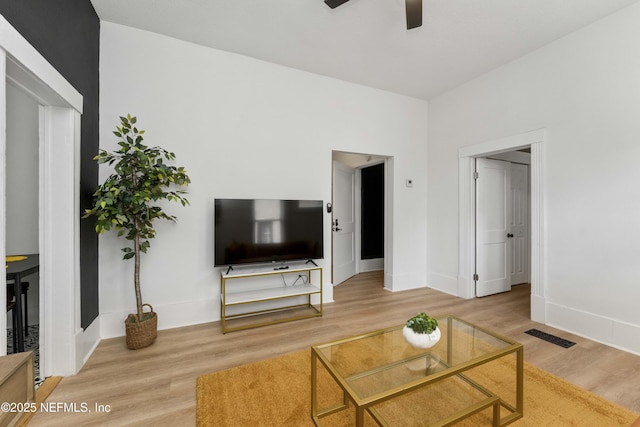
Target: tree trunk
(136, 273)
(136, 254)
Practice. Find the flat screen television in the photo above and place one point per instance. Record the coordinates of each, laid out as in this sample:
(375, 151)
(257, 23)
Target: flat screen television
(254, 231)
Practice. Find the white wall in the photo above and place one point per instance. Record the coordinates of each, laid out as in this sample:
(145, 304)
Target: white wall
(585, 90)
(247, 129)
(22, 185)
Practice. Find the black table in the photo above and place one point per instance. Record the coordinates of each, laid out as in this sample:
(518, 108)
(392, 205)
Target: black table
(16, 271)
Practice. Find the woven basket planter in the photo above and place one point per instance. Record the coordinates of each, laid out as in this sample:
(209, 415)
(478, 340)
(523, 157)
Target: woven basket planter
(141, 332)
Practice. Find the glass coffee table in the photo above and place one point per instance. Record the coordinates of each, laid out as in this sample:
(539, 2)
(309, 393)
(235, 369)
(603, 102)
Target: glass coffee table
(379, 378)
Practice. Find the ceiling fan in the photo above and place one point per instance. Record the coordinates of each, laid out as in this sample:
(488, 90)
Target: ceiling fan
(413, 7)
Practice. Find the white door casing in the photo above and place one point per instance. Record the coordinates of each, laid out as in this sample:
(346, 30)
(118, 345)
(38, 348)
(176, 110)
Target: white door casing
(493, 223)
(343, 223)
(535, 140)
(61, 344)
(519, 223)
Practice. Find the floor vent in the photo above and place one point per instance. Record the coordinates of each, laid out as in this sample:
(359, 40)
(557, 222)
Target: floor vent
(550, 338)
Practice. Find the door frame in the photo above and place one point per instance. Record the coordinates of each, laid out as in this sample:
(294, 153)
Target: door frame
(64, 346)
(467, 228)
(388, 209)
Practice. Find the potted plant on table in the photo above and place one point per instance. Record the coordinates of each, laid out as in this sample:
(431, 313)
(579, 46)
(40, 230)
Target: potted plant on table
(126, 201)
(421, 331)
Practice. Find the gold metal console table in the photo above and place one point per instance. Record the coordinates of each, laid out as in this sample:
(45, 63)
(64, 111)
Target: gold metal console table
(246, 298)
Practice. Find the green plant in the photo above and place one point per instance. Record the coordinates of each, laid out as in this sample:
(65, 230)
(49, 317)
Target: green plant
(421, 323)
(125, 201)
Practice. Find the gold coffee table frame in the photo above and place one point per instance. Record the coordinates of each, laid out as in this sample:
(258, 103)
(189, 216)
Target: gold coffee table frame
(371, 369)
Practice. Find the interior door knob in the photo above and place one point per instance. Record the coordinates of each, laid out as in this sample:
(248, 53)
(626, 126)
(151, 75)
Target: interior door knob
(509, 235)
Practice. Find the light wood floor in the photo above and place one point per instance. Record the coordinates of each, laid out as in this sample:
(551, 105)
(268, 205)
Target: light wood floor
(156, 385)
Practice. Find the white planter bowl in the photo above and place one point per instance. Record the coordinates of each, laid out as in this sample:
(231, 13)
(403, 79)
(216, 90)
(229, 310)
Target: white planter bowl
(421, 340)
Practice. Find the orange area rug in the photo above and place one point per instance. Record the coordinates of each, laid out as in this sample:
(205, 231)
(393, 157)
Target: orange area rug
(277, 392)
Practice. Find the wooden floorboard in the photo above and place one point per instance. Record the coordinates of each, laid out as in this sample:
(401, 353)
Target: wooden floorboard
(156, 385)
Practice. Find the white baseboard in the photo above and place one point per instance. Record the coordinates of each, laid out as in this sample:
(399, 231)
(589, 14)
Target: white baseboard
(443, 283)
(403, 282)
(169, 316)
(612, 332)
(367, 265)
(86, 343)
(465, 289)
(177, 315)
(538, 309)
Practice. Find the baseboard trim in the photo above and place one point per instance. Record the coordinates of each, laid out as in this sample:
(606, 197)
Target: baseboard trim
(443, 283)
(615, 333)
(367, 265)
(538, 309)
(169, 316)
(403, 282)
(177, 315)
(87, 341)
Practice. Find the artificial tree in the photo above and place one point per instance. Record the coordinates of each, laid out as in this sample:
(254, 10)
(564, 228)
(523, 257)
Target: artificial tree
(127, 200)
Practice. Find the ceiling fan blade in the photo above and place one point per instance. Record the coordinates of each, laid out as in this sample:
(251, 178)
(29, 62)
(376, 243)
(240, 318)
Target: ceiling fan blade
(414, 13)
(335, 3)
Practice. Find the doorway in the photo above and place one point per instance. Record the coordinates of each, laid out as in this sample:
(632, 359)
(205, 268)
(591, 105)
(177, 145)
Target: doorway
(347, 215)
(22, 213)
(467, 226)
(63, 344)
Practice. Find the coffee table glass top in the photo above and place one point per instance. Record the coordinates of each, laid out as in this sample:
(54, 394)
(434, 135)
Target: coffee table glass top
(381, 361)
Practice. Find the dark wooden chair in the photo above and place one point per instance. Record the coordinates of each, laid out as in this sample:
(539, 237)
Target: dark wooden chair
(11, 305)
(24, 288)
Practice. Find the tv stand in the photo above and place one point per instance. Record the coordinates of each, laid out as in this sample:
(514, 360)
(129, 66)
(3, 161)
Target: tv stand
(247, 292)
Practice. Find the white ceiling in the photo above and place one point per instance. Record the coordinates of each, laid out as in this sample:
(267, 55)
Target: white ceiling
(366, 41)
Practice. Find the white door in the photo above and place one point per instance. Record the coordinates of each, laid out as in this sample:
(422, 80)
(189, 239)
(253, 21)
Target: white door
(343, 223)
(493, 220)
(519, 223)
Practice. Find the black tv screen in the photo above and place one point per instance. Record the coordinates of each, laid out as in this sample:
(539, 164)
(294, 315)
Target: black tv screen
(253, 231)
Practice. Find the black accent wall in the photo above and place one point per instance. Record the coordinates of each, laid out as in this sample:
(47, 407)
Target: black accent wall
(67, 34)
(372, 222)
